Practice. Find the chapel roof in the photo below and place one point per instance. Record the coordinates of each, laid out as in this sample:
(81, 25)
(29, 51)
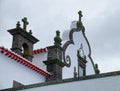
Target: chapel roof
(23, 61)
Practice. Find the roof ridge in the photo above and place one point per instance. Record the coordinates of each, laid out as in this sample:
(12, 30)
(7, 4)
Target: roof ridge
(23, 61)
(38, 51)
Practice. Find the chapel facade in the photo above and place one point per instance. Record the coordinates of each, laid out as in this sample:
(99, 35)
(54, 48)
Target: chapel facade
(68, 57)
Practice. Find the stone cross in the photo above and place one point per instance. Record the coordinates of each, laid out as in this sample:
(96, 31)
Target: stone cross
(25, 23)
(80, 15)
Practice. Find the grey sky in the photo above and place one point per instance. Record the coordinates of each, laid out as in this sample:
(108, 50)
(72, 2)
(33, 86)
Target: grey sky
(101, 19)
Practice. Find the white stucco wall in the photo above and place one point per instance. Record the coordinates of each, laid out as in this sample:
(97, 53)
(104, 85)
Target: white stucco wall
(11, 70)
(38, 60)
(111, 83)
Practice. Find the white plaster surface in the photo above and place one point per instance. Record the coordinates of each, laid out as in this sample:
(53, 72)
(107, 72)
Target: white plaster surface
(11, 70)
(38, 60)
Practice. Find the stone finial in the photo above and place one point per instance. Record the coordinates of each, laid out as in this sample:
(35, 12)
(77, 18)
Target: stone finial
(25, 23)
(75, 73)
(18, 25)
(78, 53)
(97, 71)
(30, 31)
(57, 39)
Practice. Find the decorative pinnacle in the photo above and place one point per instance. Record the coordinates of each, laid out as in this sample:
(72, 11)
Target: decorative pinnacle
(97, 71)
(75, 73)
(25, 23)
(18, 25)
(80, 15)
(30, 31)
(57, 39)
(79, 23)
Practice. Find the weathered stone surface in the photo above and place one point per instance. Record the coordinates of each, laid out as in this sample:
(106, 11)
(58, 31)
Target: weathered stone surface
(23, 41)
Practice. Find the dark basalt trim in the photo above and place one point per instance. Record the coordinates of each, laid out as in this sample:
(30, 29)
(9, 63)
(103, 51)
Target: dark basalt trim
(54, 46)
(54, 61)
(23, 33)
(89, 55)
(115, 73)
(70, 41)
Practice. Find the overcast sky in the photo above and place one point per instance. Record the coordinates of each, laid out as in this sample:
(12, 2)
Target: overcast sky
(101, 19)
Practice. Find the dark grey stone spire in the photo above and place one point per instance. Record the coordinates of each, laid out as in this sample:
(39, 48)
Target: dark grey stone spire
(54, 59)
